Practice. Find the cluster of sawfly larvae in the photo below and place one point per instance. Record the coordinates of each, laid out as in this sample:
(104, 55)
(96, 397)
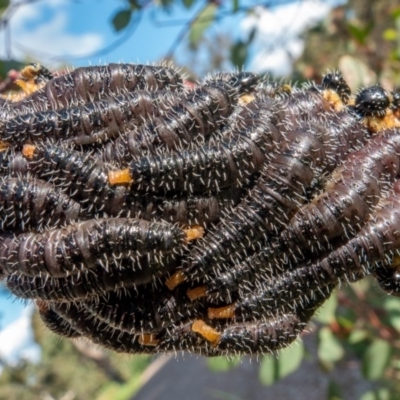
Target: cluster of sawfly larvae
(150, 217)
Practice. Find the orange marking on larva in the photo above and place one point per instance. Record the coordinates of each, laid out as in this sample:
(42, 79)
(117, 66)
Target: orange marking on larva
(378, 124)
(176, 279)
(120, 177)
(148, 340)
(334, 99)
(209, 333)
(196, 293)
(226, 312)
(395, 262)
(193, 233)
(245, 99)
(28, 150)
(4, 146)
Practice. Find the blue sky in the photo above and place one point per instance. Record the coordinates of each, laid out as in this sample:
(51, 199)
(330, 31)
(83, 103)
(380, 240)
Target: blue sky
(65, 27)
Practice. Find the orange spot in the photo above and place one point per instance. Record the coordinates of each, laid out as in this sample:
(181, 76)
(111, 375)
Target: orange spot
(195, 232)
(120, 177)
(246, 99)
(4, 146)
(176, 279)
(225, 312)
(206, 331)
(396, 262)
(28, 150)
(379, 124)
(333, 99)
(196, 293)
(148, 340)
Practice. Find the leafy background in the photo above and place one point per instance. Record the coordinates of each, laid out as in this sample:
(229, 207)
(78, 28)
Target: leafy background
(358, 327)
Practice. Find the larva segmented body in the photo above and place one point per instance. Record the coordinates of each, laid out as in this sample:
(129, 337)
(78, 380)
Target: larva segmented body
(277, 194)
(189, 120)
(92, 122)
(215, 166)
(33, 204)
(377, 242)
(55, 322)
(82, 176)
(82, 246)
(183, 210)
(353, 190)
(91, 83)
(98, 281)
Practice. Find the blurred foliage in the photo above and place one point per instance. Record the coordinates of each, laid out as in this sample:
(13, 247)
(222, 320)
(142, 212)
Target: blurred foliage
(69, 371)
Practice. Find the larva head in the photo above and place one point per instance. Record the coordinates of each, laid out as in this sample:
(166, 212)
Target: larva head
(335, 81)
(244, 81)
(372, 101)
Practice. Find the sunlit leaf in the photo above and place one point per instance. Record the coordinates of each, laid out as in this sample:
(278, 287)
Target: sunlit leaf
(326, 314)
(360, 33)
(379, 394)
(357, 335)
(121, 19)
(222, 364)
(289, 360)
(204, 20)
(267, 371)
(392, 306)
(329, 348)
(390, 34)
(376, 359)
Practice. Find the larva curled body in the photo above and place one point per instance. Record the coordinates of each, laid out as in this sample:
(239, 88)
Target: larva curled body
(83, 246)
(31, 204)
(91, 83)
(190, 119)
(89, 123)
(268, 207)
(98, 281)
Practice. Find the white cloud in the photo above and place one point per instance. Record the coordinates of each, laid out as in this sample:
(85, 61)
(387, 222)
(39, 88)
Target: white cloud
(277, 40)
(16, 340)
(51, 37)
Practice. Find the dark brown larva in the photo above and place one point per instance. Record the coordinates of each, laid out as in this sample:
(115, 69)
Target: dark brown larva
(55, 322)
(183, 210)
(91, 83)
(124, 273)
(86, 124)
(31, 204)
(83, 246)
(190, 119)
(266, 210)
(353, 190)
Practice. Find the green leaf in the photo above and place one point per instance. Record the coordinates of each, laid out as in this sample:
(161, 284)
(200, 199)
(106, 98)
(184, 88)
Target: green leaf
(267, 370)
(6, 66)
(360, 33)
(204, 20)
(326, 314)
(289, 360)
(239, 54)
(396, 13)
(235, 5)
(188, 3)
(390, 34)
(223, 364)
(329, 348)
(121, 19)
(274, 368)
(379, 394)
(376, 359)
(392, 307)
(334, 391)
(357, 335)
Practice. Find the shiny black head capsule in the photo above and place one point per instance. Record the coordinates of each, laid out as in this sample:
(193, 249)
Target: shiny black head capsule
(372, 101)
(336, 82)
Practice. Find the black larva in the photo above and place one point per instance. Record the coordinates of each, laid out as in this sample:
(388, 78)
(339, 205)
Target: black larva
(191, 119)
(91, 83)
(83, 246)
(31, 204)
(92, 122)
